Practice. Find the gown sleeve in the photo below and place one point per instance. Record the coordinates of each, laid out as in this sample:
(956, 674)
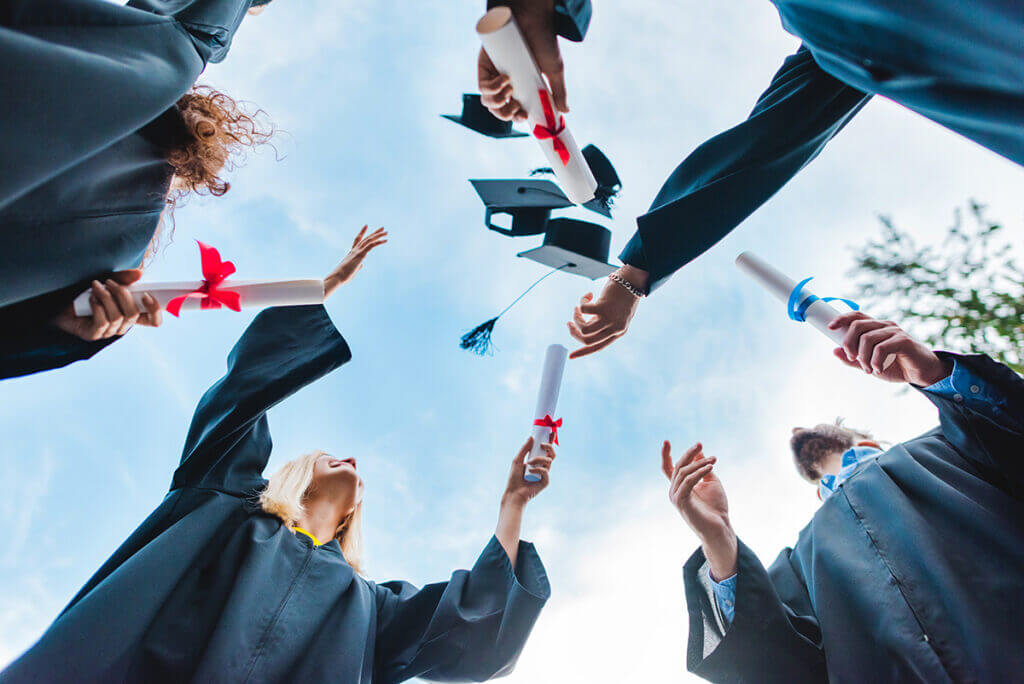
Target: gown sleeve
(284, 349)
(471, 628)
(992, 440)
(774, 635)
(728, 177)
(30, 343)
(89, 72)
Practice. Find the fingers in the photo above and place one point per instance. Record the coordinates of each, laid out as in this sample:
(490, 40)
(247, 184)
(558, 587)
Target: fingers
(694, 452)
(556, 78)
(111, 313)
(583, 324)
(841, 355)
(687, 478)
(846, 319)
(666, 459)
(549, 449)
(359, 237)
(523, 451)
(856, 329)
(126, 303)
(595, 347)
(590, 337)
(127, 277)
(587, 307)
(363, 245)
(897, 343)
(869, 341)
(153, 317)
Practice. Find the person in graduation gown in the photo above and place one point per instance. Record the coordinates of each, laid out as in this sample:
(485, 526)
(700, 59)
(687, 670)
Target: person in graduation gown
(961, 64)
(233, 578)
(912, 568)
(103, 129)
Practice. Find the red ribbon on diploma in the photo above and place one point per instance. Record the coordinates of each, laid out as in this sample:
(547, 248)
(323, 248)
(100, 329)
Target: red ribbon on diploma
(210, 293)
(549, 422)
(553, 129)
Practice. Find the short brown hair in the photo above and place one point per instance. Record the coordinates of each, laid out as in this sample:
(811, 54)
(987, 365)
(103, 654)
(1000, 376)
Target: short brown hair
(811, 446)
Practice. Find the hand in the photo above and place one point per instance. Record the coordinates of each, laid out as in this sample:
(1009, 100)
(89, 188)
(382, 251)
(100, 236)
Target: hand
(700, 498)
(869, 342)
(353, 261)
(114, 311)
(518, 491)
(611, 313)
(536, 20)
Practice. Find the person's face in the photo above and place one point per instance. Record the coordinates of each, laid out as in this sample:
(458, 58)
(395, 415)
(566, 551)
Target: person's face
(337, 478)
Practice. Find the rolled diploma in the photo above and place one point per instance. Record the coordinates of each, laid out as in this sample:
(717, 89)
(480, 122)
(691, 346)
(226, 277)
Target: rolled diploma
(252, 293)
(819, 314)
(547, 401)
(505, 46)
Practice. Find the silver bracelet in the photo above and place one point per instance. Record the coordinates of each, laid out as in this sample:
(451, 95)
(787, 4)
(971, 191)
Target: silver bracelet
(630, 287)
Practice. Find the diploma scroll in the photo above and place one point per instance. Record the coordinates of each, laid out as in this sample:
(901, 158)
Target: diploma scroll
(252, 293)
(504, 44)
(547, 401)
(819, 313)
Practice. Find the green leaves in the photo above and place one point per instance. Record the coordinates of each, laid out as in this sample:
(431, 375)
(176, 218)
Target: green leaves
(965, 294)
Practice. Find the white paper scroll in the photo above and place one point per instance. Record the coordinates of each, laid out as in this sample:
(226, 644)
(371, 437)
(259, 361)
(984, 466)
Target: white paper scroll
(819, 313)
(505, 46)
(252, 293)
(547, 401)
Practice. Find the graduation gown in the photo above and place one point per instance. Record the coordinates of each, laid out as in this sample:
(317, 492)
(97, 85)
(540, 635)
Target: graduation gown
(84, 149)
(960, 64)
(913, 570)
(210, 588)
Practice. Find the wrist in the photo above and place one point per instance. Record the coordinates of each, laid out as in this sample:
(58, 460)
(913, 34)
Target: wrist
(636, 276)
(721, 550)
(938, 370)
(512, 502)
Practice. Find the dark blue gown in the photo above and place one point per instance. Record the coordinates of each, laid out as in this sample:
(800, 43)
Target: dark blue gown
(210, 588)
(89, 89)
(960, 64)
(912, 571)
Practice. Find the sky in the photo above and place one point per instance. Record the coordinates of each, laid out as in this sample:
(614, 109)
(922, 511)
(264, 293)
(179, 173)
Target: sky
(356, 87)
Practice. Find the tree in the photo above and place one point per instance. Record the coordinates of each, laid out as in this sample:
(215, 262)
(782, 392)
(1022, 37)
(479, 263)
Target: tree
(966, 295)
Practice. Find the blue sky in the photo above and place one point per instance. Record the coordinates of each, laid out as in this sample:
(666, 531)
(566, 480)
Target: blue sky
(358, 87)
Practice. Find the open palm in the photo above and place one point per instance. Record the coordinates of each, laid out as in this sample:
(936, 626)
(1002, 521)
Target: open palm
(695, 491)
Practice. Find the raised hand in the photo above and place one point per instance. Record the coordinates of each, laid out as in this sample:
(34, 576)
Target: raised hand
(114, 311)
(518, 491)
(353, 261)
(869, 342)
(536, 20)
(700, 498)
(610, 315)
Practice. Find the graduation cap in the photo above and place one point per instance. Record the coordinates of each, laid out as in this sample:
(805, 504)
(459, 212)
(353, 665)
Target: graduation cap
(570, 245)
(575, 246)
(528, 202)
(478, 118)
(608, 182)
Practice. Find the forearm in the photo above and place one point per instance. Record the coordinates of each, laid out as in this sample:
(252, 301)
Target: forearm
(510, 521)
(720, 550)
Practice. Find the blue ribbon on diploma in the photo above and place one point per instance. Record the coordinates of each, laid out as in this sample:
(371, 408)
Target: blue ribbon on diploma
(798, 307)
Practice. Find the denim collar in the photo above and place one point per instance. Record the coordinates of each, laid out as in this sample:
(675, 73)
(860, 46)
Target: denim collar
(851, 459)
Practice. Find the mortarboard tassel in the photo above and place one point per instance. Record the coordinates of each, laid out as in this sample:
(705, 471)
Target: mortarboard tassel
(478, 340)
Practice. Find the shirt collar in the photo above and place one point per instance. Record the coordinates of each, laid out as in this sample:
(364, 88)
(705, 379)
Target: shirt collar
(851, 458)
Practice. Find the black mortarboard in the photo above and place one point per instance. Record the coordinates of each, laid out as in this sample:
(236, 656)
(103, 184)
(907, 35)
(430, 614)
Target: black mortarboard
(608, 183)
(478, 118)
(574, 246)
(528, 202)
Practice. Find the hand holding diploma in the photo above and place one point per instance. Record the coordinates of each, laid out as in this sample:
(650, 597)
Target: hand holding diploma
(883, 349)
(116, 309)
(519, 491)
(545, 422)
(536, 20)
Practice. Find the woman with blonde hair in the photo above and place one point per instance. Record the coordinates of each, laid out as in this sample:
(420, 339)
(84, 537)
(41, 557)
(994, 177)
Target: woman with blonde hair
(234, 578)
(101, 130)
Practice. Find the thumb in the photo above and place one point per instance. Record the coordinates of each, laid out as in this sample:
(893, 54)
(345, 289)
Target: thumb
(127, 277)
(557, 81)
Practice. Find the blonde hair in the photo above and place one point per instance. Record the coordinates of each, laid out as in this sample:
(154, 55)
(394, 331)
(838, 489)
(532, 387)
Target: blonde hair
(284, 496)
